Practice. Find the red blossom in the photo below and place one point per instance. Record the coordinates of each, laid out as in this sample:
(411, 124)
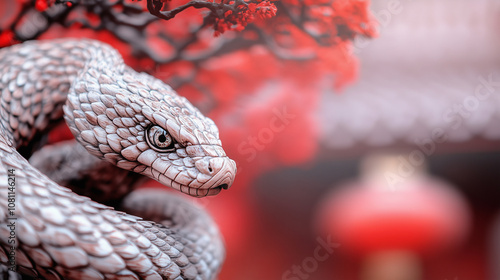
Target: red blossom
(243, 15)
(6, 38)
(252, 7)
(41, 5)
(266, 9)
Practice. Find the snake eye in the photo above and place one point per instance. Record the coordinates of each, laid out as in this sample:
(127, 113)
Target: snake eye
(159, 139)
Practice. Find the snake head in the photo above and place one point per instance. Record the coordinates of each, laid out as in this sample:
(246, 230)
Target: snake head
(140, 124)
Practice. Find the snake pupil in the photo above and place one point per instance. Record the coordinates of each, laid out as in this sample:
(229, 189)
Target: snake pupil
(162, 138)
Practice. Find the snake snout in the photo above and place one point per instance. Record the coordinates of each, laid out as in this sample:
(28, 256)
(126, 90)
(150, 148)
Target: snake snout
(223, 172)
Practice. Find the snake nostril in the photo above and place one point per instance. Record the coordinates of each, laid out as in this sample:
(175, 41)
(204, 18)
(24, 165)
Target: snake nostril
(210, 169)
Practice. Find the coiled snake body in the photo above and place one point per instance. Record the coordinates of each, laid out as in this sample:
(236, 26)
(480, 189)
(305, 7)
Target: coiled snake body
(129, 119)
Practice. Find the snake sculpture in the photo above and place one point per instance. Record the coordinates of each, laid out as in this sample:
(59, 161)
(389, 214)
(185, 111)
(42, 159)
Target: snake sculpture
(130, 120)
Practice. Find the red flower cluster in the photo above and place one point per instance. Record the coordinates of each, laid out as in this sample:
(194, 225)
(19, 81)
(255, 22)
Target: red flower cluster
(264, 9)
(42, 5)
(242, 15)
(6, 38)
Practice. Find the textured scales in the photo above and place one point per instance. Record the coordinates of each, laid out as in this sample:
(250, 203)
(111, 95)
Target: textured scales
(69, 164)
(108, 107)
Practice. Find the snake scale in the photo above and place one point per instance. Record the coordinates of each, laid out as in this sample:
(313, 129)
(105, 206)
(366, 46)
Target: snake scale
(125, 118)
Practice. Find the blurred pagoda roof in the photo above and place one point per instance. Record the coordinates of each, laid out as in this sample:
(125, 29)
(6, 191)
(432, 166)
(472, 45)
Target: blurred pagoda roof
(422, 76)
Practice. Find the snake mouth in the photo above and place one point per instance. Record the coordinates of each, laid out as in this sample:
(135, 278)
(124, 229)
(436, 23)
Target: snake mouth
(205, 192)
(218, 189)
(222, 184)
(221, 180)
(202, 192)
(213, 191)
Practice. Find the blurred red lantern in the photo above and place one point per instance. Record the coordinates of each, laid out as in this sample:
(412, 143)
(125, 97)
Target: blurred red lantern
(393, 211)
